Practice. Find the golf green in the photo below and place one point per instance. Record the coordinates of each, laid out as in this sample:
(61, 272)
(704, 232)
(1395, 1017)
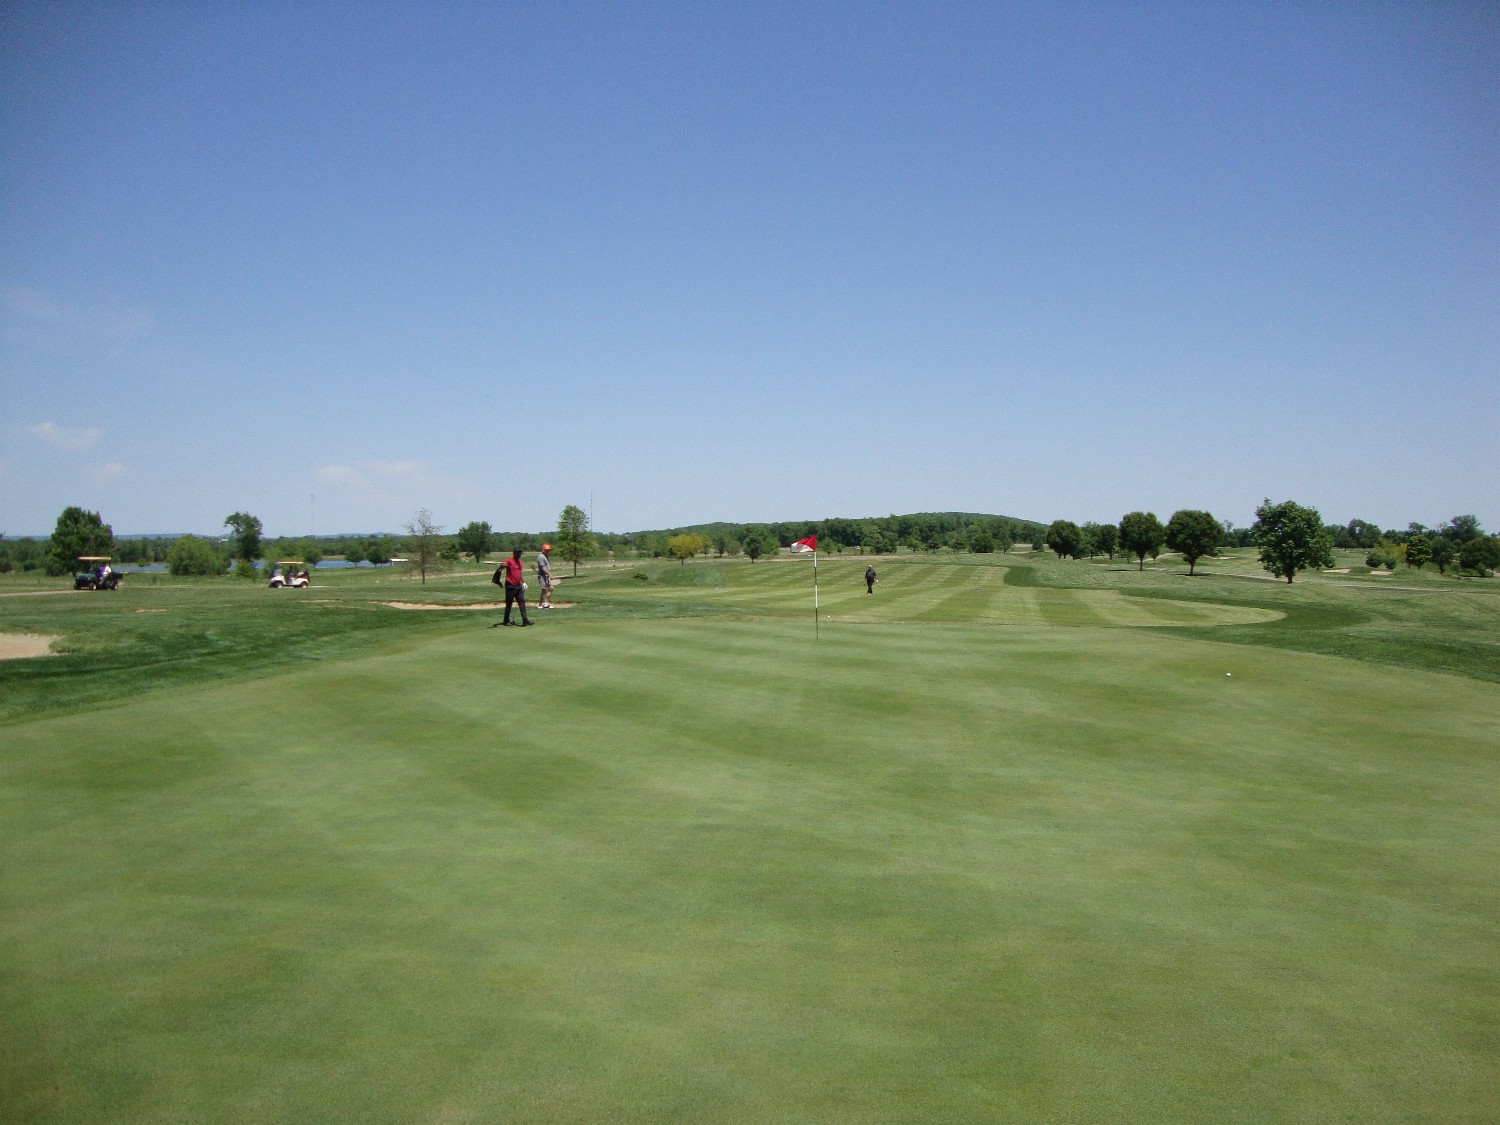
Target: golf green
(997, 855)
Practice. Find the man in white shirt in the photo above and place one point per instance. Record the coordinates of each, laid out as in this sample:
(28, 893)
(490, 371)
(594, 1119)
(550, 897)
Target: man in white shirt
(544, 577)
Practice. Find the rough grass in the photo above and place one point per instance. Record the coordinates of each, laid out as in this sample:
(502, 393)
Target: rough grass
(999, 855)
(154, 635)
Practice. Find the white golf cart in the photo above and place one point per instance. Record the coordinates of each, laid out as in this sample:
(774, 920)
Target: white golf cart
(289, 574)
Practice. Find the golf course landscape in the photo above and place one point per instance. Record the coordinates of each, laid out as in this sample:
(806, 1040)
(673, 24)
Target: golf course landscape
(1013, 839)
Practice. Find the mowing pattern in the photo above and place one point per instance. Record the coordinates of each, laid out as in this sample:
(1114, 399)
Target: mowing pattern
(934, 592)
(702, 869)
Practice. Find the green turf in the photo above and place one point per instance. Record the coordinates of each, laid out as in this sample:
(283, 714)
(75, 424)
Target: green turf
(985, 850)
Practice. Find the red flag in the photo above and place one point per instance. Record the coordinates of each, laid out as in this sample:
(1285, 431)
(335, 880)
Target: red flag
(805, 546)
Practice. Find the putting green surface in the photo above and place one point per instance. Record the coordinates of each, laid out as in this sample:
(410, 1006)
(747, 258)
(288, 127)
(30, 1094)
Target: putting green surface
(703, 868)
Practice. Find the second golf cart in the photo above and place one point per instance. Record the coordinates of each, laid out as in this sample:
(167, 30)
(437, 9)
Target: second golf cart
(289, 574)
(95, 573)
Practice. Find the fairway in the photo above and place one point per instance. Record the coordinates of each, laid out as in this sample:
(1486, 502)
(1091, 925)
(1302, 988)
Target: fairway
(951, 593)
(1005, 842)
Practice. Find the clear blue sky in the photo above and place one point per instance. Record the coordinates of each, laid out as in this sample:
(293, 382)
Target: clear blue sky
(332, 262)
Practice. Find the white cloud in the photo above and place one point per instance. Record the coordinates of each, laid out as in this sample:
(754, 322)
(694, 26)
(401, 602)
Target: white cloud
(108, 473)
(70, 439)
(110, 321)
(396, 470)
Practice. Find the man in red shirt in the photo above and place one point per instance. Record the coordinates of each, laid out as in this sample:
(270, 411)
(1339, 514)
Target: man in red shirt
(515, 586)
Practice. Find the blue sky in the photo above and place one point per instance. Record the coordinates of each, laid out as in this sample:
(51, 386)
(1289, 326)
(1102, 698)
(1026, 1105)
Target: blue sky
(332, 262)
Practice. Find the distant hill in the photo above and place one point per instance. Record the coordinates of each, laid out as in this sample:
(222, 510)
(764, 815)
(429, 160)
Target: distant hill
(951, 520)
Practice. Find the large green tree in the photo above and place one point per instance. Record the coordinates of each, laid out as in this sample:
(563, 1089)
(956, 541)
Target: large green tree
(191, 555)
(1461, 529)
(880, 543)
(1442, 552)
(246, 536)
(684, 547)
(1142, 534)
(1194, 534)
(475, 539)
(574, 541)
(1480, 554)
(377, 550)
(1103, 538)
(755, 545)
(77, 533)
(1291, 538)
(1418, 551)
(1065, 538)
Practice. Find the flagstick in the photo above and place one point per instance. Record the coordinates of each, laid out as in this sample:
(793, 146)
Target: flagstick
(809, 546)
(815, 595)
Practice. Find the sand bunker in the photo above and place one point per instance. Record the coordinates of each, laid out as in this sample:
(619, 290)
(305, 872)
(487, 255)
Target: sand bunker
(420, 605)
(23, 646)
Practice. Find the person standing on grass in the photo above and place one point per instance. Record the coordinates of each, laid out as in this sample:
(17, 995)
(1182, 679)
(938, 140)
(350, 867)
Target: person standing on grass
(544, 577)
(870, 579)
(515, 586)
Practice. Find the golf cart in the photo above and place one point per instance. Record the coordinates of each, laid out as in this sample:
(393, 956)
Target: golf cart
(94, 573)
(294, 578)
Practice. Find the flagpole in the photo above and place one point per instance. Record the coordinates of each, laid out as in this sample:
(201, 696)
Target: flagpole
(809, 546)
(815, 594)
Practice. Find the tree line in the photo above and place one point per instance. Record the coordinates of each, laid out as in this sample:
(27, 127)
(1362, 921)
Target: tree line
(79, 532)
(1289, 536)
(880, 535)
